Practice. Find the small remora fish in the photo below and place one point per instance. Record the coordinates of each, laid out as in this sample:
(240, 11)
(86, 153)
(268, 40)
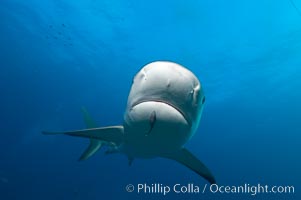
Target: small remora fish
(152, 121)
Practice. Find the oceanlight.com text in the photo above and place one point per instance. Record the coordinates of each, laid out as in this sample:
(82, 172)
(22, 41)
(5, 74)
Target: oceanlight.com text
(251, 189)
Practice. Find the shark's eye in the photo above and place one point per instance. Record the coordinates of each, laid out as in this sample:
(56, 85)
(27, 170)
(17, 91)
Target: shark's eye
(203, 100)
(191, 96)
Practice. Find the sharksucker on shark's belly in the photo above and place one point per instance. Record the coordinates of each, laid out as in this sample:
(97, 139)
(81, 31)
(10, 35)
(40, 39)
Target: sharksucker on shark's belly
(152, 121)
(163, 111)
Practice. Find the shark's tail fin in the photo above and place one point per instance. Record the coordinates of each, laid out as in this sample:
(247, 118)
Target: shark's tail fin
(95, 144)
(112, 136)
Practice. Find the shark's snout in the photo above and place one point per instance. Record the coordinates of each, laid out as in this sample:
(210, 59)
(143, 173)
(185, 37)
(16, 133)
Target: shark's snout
(171, 84)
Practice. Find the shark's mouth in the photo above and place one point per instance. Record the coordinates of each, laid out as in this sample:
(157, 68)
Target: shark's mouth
(168, 103)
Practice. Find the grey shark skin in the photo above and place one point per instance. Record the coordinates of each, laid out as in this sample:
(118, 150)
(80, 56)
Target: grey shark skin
(163, 111)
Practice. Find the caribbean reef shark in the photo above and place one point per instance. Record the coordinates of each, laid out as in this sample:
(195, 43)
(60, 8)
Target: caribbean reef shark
(163, 112)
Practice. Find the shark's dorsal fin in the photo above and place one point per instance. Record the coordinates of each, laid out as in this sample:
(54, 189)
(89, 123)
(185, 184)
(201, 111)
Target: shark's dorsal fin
(189, 160)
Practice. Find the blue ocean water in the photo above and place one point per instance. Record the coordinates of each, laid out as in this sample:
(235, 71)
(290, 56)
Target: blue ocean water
(57, 56)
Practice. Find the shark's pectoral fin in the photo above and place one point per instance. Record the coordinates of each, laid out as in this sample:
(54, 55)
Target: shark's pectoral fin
(108, 134)
(189, 160)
